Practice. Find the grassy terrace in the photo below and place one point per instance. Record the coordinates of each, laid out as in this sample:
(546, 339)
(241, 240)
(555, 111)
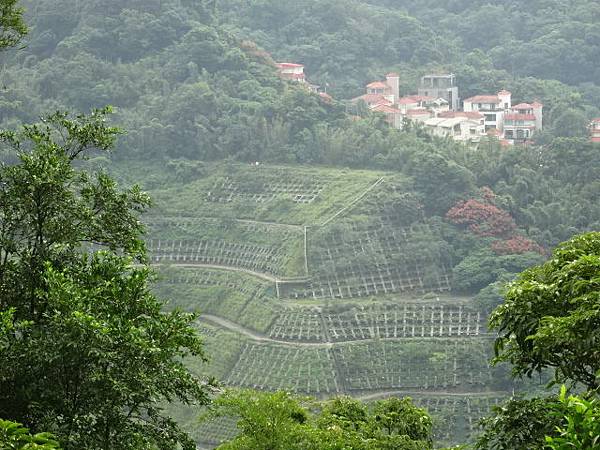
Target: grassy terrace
(297, 196)
(314, 280)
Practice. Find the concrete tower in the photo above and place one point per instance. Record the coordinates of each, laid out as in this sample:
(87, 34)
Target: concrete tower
(393, 81)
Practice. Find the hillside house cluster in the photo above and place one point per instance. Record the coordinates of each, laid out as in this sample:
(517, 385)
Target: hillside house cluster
(437, 106)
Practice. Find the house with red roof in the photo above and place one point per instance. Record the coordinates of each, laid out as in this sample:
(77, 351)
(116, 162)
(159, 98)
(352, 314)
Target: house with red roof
(595, 130)
(522, 121)
(515, 123)
(376, 92)
(491, 106)
(295, 72)
(291, 71)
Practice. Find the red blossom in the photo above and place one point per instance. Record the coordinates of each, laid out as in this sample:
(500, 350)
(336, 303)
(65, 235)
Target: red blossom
(482, 218)
(516, 245)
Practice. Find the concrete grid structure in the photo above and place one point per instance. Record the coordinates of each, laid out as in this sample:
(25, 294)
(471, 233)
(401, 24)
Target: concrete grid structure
(440, 86)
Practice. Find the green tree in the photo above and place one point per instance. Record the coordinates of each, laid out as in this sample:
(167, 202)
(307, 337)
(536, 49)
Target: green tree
(278, 421)
(12, 27)
(86, 352)
(519, 424)
(14, 436)
(581, 427)
(550, 318)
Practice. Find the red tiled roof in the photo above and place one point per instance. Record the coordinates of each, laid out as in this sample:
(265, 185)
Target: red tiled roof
(285, 65)
(385, 109)
(515, 116)
(372, 99)
(377, 85)
(523, 106)
(596, 120)
(407, 100)
(596, 139)
(537, 105)
(483, 99)
(468, 114)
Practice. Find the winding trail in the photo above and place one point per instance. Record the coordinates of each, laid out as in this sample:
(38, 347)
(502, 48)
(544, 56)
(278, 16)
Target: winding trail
(261, 275)
(254, 335)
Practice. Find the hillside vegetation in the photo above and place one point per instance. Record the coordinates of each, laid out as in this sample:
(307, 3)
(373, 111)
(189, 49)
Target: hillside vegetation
(329, 253)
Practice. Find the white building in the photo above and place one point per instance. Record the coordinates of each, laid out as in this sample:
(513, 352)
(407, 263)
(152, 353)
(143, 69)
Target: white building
(491, 106)
(291, 71)
(459, 128)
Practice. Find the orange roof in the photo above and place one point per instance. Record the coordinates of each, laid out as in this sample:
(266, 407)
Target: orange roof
(372, 99)
(596, 120)
(386, 109)
(483, 99)
(377, 85)
(407, 101)
(596, 139)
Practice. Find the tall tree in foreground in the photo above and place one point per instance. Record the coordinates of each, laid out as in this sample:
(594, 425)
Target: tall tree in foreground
(85, 350)
(551, 320)
(551, 316)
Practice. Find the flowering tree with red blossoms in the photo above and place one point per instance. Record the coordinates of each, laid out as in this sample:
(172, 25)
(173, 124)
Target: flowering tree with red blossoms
(516, 245)
(483, 218)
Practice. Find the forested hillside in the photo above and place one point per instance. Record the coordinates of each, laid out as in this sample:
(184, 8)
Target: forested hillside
(544, 48)
(329, 252)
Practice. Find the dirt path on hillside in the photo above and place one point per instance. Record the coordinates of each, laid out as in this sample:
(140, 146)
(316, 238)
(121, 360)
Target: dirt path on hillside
(256, 336)
(261, 275)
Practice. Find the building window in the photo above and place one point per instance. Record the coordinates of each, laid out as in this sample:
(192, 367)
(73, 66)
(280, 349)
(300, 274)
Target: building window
(509, 134)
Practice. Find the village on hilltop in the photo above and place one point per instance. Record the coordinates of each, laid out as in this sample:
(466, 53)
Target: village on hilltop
(437, 105)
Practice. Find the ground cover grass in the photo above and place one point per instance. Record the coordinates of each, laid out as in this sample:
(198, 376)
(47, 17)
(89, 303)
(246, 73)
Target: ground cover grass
(238, 297)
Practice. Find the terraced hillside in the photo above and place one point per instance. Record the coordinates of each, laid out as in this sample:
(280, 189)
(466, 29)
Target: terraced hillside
(308, 281)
